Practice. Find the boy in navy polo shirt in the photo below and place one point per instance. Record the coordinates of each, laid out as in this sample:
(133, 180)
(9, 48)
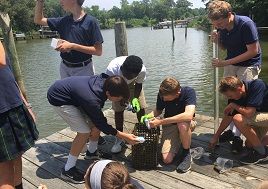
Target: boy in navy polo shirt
(248, 109)
(80, 37)
(238, 35)
(179, 104)
(79, 100)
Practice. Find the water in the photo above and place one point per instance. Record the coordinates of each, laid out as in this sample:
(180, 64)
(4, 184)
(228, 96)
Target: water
(189, 60)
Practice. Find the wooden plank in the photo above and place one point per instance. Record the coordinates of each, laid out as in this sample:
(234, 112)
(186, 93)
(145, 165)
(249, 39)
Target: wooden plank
(205, 138)
(28, 185)
(196, 179)
(140, 176)
(37, 175)
(47, 161)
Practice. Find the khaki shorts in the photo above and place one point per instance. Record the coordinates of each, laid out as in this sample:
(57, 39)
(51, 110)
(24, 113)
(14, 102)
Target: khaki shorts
(171, 139)
(243, 73)
(75, 118)
(117, 107)
(259, 122)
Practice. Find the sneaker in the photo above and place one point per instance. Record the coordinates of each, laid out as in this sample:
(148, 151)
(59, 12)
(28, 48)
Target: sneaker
(101, 141)
(117, 147)
(226, 136)
(254, 157)
(185, 164)
(73, 175)
(97, 155)
(237, 145)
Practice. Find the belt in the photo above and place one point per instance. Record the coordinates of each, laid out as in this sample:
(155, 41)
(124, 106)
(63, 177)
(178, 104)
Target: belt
(78, 64)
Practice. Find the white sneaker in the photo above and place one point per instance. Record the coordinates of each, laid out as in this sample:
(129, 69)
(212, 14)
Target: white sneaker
(117, 147)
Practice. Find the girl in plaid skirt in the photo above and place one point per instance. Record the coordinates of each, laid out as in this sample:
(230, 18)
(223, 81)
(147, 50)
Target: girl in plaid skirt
(17, 128)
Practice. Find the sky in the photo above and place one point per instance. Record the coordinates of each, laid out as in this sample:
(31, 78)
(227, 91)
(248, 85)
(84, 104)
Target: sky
(108, 4)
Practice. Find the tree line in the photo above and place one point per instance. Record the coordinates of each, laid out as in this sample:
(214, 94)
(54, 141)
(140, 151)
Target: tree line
(138, 13)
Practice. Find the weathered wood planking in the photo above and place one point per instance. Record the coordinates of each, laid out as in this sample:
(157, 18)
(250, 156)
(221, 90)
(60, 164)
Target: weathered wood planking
(43, 163)
(139, 175)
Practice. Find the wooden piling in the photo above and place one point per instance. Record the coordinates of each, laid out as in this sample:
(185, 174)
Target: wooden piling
(120, 39)
(172, 27)
(186, 29)
(10, 48)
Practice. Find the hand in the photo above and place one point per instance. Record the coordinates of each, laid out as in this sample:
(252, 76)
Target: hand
(64, 46)
(219, 63)
(131, 139)
(146, 116)
(229, 109)
(155, 122)
(213, 142)
(215, 36)
(136, 105)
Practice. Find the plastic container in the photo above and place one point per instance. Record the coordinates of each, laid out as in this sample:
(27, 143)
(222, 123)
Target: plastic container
(197, 152)
(140, 139)
(222, 164)
(146, 122)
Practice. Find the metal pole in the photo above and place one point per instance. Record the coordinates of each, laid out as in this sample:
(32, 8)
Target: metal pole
(216, 82)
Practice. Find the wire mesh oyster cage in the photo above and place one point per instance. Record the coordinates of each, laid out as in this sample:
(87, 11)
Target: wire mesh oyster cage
(145, 155)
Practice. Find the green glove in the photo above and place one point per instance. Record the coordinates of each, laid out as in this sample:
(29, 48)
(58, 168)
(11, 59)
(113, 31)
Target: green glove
(146, 116)
(136, 105)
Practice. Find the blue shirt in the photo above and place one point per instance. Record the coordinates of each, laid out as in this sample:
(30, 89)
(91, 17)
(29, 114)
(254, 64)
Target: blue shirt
(85, 32)
(243, 33)
(256, 96)
(9, 91)
(85, 92)
(177, 106)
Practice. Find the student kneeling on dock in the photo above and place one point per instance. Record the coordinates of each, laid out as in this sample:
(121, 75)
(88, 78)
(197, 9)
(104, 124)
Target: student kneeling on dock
(79, 100)
(179, 104)
(132, 69)
(248, 109)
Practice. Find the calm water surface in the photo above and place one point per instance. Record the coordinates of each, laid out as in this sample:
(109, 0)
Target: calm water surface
(189, 60)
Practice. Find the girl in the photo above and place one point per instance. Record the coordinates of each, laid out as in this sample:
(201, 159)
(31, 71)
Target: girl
(17, 128)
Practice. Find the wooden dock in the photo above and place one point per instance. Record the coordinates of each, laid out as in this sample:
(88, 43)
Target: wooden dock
(43, 163)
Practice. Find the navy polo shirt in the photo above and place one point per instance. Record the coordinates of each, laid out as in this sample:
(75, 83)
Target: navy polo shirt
(177, 106)
(9, 91)
(256, 96)
(243, 33)
(85, 92)
(85, 32)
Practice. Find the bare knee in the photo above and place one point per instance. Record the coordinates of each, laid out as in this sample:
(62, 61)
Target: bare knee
(168, 158)
(183, 127)
(238, 119)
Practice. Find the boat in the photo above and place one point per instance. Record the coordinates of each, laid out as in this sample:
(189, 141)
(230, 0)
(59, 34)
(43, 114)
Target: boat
(45, 32)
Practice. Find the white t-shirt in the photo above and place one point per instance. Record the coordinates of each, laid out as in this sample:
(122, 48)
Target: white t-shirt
(114, 69)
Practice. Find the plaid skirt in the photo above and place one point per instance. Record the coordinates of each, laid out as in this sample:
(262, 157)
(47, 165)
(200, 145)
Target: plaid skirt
(17, 133)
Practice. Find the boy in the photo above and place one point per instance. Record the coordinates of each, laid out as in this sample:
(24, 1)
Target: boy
(239, 36)
(132, 69)
(79, 100)
(179, 104)
(80, 37)
(248, 109)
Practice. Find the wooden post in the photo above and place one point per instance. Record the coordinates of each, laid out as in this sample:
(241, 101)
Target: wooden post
(172, 27)
(120, 39)
(186, 29)
(11, 49)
